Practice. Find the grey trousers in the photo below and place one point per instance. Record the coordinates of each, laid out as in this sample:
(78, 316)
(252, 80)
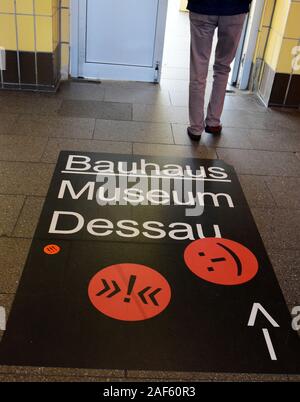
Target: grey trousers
(202, 33)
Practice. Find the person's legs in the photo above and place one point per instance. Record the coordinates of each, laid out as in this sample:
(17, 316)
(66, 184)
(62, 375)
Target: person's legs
(229, 33)
(202, 32)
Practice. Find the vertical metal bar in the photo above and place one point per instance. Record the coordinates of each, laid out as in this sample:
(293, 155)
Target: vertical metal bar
(35, 47)
(1, 75)
(58, 47)
(288, 88)
(17, 43)
(2, 64)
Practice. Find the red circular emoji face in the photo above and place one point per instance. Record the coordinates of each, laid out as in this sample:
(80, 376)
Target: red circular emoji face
(221, 261)
(129, 292)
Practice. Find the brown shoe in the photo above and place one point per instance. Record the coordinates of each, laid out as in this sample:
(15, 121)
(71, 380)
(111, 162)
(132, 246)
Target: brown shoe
(193, 136)
(214, 130)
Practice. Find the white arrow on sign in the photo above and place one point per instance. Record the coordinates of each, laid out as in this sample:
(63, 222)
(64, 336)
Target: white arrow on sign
(251, 323)
(2, 319)
(252, 318)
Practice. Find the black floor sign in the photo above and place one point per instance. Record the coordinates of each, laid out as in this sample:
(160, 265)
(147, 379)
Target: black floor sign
(149, 263)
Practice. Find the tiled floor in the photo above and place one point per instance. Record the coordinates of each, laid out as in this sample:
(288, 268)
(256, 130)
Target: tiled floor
(262, 144)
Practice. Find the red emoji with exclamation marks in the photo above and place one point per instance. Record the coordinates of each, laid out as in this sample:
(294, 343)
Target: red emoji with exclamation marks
(129, 292)
(221, 261)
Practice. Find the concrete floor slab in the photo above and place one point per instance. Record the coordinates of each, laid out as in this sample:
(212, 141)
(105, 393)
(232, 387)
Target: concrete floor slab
(10, 207)
(133, 131)
(55, 146)
(98, 110)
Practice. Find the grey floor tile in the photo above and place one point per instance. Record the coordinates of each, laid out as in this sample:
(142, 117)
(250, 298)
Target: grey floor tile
(175, 73)
(131, 85)
(174, 150)
(25, 178)
(22, 149)
(256, 191)
(230, 137)
(286, 264)
(50, 126)
(254, 120)
(45, 379)
(180, 85)
(198, 376)
(71, 372)
(285, 190)
(261, 162)
(151, 95)
(12, 378)
(29, 217)
(294, 378)
(145, 380)
(133, 131)
(6, 122)
(81, 91)
(13, 253)
(179, 98)
(19, 370)
(160, 114)
(247, 103)
(294, 119)
(29, 103)
(94, 109)
(55, 146)
(279, 228)
(290, 118)
(283, 140)
(10, 207)
(176, 57)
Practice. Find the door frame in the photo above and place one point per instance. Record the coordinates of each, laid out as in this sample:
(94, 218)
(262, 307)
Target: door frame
(250, 43)
(77, 45)
(239, 54)
(74, 38)
(244, 60)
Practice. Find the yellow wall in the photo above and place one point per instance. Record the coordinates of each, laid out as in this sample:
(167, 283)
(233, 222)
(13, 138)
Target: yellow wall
(65, 38)
(279, 35)
(30, 36)
(29, 25)
(291, 39)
